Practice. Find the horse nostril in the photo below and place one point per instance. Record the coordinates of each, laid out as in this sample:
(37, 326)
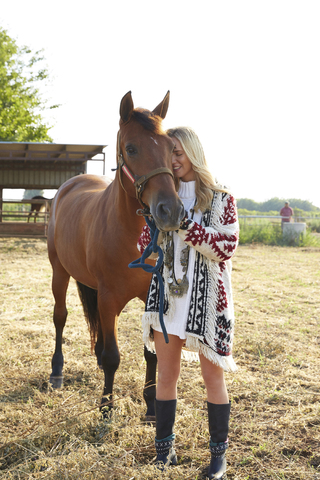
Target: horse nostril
(169, 215)
(163, 210)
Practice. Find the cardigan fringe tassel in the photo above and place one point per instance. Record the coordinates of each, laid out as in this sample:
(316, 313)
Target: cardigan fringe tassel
(193, 346)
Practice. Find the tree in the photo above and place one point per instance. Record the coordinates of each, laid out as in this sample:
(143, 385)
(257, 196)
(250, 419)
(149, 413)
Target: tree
(248, 204)
(275, 204)
(31, 193)
(20, 101)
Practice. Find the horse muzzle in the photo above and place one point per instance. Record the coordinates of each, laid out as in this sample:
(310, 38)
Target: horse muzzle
(167, 214)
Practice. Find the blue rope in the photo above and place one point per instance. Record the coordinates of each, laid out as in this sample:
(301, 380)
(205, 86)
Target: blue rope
(153, 247)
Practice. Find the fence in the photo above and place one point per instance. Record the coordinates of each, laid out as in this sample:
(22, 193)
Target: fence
(269, 230)
(275, 220)
(17, 220)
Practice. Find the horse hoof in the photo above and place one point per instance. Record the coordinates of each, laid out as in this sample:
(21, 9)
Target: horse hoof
(56, 382)
(106, 413)
(150, 419)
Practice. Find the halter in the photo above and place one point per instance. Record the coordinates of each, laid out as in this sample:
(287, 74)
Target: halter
(138, 182)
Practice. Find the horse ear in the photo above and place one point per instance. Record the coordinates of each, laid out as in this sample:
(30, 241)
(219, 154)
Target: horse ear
(162, 108)
(126, 107)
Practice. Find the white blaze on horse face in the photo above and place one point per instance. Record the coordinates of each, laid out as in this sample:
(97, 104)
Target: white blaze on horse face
(155, 141)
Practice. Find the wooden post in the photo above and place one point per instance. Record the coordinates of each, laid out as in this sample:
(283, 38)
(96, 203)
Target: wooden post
(1, 198)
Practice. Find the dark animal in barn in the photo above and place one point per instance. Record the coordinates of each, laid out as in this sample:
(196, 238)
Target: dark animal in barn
(39, 207)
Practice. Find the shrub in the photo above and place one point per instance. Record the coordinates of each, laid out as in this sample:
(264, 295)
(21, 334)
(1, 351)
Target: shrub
(266, 234)
(314, 225)
(269, 234)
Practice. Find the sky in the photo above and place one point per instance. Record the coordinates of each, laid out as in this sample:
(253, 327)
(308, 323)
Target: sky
(244, 75)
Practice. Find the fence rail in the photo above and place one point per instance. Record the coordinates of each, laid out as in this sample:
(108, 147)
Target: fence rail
(279, 216)
(276, 219)
(21, 222)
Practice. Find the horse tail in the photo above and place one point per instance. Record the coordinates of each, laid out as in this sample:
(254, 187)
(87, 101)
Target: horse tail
(89, 300)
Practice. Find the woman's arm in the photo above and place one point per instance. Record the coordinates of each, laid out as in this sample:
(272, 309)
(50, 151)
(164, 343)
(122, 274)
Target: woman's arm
(144, 239)
(217, 243)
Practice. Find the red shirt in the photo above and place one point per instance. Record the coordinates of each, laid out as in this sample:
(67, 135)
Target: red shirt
(286, 212)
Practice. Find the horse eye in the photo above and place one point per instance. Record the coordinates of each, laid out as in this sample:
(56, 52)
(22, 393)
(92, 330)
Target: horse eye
(130, 150)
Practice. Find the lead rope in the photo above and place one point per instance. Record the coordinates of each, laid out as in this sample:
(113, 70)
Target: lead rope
(139, 263)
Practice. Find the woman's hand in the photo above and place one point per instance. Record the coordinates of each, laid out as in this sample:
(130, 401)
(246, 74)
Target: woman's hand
(185, 222)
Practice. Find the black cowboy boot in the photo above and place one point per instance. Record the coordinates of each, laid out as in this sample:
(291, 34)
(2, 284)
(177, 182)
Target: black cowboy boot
(164, 441)
(218, 427)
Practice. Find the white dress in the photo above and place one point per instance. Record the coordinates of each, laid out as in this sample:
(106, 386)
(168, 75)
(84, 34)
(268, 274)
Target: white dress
(177, 324)
(204, 317)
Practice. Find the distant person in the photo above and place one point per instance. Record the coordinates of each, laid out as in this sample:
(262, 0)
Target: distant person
(286, 213)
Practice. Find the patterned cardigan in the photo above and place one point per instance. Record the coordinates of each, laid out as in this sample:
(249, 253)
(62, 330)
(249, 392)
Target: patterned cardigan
(210, 322)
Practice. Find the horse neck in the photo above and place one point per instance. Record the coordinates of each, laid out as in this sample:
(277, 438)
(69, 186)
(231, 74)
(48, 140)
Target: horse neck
(125, 208)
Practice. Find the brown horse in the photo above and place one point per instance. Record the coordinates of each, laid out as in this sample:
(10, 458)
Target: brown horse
(39, 207)
(93, 233)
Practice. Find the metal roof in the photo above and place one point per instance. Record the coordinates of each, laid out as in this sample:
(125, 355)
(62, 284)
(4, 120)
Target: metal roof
(44, 165)
(48, 151)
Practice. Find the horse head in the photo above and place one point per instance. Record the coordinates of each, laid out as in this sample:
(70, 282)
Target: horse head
(145, 162)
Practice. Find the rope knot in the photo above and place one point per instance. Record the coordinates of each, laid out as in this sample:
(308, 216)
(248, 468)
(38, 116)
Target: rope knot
(153, 247)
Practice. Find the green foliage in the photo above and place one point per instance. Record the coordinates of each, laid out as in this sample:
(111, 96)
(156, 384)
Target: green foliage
(271, 234)
(314, 226)
(14, 212)
(275, 204)
(248, 204)
(244, 211)
(309, 240)
(20, 100)
(266, 234)
(31, 193)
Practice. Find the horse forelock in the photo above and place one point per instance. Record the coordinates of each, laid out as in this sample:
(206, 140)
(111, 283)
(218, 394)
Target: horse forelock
(148, 120)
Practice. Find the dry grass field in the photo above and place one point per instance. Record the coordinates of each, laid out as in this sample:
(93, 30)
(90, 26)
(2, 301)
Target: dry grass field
(60, 435)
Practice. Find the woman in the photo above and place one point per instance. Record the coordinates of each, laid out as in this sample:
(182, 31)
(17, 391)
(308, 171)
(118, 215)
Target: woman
(198, 303)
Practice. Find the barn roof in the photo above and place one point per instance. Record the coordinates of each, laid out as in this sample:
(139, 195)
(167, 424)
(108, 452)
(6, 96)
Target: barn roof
(48, 151)
(44, 165)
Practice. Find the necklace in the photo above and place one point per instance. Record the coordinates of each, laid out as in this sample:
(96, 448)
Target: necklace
(179, 287)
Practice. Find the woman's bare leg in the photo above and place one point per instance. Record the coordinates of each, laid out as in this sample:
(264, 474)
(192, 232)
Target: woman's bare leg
(213, 377)
(169, 356)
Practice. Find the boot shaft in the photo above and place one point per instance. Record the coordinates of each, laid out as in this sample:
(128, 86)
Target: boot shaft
(164, 441)
(165, 417)
(218, 417)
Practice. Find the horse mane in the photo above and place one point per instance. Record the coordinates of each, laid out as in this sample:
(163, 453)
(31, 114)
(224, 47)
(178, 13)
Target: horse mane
(148, 120)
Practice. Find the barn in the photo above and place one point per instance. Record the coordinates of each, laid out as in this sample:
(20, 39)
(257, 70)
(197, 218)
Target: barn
(40, 166)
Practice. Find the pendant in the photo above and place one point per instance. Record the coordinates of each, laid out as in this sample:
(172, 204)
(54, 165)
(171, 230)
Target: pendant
(180, 288)
(177, 288)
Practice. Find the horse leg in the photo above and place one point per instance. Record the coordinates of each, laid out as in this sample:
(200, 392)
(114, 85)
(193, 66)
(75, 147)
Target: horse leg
(110, 356)
(60, 282)
(99, 347)
(149, 391)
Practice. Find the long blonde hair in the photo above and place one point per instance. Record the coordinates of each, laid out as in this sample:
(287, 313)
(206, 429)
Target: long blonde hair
(205, 183)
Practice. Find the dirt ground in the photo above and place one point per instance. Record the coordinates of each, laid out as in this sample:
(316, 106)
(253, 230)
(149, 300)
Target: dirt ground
(275, 419)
